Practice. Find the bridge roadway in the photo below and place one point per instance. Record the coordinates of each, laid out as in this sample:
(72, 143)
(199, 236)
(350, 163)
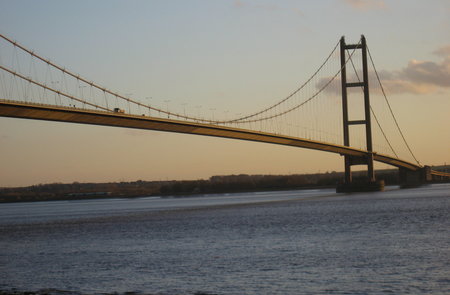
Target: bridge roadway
(16, 109)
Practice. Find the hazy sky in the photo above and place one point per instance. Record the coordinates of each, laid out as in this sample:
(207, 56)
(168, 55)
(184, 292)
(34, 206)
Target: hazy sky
(223, 55)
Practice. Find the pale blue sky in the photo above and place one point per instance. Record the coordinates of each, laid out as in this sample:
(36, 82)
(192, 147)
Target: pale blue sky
(216, 54)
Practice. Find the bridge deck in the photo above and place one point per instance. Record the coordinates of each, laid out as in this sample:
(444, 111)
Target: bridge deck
(83, 116)
(440, 174)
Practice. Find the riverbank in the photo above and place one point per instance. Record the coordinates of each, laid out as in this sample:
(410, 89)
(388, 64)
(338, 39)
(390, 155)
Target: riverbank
(180, 188)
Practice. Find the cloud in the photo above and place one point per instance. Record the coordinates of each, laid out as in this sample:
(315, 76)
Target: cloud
(443, 51)
(399, 86)
(365, 5)
(417, 77)
(238, 3)
(298, 11)
(427, 72)
(265, 7)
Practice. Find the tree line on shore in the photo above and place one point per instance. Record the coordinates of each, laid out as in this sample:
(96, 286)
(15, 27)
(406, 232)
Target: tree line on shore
(180, 188)
(215, 184)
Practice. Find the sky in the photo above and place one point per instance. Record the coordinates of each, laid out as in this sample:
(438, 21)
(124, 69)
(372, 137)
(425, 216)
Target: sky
(224, 56)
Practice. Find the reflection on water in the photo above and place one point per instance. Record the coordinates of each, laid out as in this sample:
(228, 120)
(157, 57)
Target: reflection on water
(289, 242)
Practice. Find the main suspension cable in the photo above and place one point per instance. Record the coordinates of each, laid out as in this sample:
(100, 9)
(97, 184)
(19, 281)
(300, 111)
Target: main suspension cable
(51, 89)
(129, 100)
(373, 113)
(304, 102)
(92, 84)
(390, 109)
(239, 120)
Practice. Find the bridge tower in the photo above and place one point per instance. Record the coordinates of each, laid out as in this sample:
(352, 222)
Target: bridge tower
(370, 184)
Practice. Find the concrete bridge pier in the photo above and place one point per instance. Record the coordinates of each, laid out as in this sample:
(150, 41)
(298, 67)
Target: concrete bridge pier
(409, 178)
(366, 184)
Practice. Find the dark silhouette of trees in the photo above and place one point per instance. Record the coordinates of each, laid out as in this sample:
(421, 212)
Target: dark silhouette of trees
(215, 184)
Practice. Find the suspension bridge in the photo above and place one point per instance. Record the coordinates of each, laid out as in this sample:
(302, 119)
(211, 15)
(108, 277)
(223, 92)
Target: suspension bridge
(330, 111)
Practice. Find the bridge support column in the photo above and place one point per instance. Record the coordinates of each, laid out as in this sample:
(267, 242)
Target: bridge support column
(409, 178)
(367, 183)
(370, 183)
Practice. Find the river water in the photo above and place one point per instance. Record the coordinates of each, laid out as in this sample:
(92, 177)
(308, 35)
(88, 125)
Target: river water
(291, 242)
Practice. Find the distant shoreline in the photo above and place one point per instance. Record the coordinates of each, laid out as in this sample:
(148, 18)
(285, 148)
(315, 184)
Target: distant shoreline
(184, 188)
(178, 195)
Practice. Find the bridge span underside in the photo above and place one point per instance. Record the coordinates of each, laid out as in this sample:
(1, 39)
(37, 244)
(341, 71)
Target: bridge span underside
(75, 115)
